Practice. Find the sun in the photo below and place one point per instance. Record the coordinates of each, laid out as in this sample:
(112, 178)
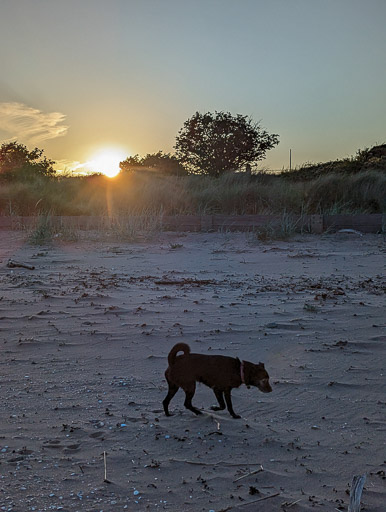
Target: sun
(106, 161)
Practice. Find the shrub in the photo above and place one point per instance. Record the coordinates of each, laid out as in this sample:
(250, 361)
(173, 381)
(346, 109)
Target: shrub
(216, 143)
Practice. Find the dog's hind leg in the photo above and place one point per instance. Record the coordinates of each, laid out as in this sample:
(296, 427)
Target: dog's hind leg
(228, 400)
(220, 400)
(189, 394)
(172, 391)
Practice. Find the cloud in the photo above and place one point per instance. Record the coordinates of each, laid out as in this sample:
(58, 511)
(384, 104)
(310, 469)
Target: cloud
(30, 125)
(73, 167)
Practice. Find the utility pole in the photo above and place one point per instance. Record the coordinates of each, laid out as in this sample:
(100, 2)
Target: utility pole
(290, 167)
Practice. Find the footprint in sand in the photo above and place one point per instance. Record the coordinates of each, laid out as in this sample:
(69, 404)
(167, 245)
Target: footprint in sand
(54, 444)
(97, 435)
(71, 448)
(24, 451)
(15, 460)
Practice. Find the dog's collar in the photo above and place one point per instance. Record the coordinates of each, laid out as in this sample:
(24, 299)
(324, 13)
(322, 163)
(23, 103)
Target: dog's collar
(242, 372)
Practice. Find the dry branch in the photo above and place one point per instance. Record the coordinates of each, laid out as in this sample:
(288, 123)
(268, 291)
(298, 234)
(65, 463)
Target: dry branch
(13, 264)
(251, 473)
(105, 465)
(219, 463)
(186, 281)
(260, 499)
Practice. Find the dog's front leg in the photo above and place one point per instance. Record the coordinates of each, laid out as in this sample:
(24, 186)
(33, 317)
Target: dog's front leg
(228, 400)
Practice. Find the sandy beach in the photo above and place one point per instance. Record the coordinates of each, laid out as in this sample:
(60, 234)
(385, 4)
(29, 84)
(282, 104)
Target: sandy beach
(84, 338)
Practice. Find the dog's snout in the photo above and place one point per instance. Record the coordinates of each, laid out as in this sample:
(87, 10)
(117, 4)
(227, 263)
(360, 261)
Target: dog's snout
(265, 386)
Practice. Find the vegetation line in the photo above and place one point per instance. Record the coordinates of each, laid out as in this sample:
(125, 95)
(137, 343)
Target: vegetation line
(30, 187)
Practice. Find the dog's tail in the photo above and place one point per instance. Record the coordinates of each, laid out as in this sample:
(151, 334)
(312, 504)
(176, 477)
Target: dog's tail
(180, 347)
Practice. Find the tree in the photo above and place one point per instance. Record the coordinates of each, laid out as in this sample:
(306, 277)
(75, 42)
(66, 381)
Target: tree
(215, 143)
(132, 163)
(164, 163)
(17, 163)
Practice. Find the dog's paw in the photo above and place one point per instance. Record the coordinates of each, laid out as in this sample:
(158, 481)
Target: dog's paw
(236, 416)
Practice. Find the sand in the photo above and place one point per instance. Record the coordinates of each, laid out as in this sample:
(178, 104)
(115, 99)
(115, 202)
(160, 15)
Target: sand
(84, 339)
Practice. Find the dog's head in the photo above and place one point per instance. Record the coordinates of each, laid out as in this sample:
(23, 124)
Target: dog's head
(257, 375)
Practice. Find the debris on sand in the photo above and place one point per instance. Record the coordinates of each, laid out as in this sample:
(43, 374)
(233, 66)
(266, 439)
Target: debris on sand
(14, 264)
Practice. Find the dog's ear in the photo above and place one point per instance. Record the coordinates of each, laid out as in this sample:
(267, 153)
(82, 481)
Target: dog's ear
(261, 364)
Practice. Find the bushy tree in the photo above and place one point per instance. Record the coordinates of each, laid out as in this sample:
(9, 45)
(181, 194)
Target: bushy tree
(164, 163)
(132, 163)
(17, 163)
(215, 143)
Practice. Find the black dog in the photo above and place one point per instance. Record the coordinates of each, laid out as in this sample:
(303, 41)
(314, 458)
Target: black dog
(221, 373)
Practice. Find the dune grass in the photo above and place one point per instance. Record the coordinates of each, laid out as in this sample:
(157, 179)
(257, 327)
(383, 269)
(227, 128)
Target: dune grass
(141, 192)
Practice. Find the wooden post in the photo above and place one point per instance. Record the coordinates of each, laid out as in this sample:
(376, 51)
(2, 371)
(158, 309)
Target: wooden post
(316, 224)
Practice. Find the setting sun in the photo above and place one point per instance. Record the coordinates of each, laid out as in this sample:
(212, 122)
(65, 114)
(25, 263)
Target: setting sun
(107, 161)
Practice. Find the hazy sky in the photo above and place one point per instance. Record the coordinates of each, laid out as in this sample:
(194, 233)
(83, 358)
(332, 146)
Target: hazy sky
(79, 75)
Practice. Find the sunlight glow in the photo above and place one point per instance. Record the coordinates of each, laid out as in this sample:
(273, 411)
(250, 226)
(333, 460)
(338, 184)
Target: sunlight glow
(107, 161)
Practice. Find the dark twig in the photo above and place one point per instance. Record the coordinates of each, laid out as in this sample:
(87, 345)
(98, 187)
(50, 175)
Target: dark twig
(260, 499)
(13, 264)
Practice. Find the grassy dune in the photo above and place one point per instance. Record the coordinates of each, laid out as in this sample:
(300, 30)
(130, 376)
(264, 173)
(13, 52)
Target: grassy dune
(138, 192)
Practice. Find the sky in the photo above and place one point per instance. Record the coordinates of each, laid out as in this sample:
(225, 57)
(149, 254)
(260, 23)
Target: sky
(80, 76)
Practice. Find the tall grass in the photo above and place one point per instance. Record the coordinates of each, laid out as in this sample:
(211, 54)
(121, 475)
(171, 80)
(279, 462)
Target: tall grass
(364, 192)
(139, 192)
(43, 232)
(282, 228)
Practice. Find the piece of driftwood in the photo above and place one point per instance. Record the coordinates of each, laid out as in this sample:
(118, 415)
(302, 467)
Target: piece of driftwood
(182, 282)
(260, 499)
(357, 484)
(13, 264)
(288, 505)
(218, 463)
(105, 465)
(250, 473)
